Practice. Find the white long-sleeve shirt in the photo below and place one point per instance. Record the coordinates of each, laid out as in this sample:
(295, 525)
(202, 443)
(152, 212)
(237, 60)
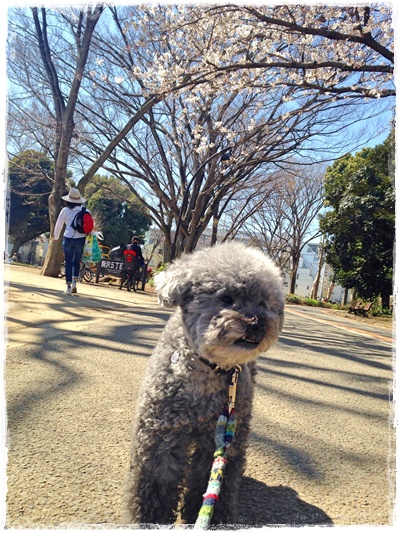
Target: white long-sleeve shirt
(66, 217)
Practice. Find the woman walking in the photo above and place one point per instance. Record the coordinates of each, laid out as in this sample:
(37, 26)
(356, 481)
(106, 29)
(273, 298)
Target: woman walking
(73, 241)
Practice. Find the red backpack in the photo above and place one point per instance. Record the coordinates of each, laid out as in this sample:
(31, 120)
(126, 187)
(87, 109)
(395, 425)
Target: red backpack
(83, 222)
(130, 259)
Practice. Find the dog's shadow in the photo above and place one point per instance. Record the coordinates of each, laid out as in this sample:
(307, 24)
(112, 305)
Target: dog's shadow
(260, 505)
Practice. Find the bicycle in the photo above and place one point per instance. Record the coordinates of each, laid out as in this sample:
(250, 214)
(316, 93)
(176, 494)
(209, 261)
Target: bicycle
(105, 251)
(130, 272)
(87, 272)
(130, 281)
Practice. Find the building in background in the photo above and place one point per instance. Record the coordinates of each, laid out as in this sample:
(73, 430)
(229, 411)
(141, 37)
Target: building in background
(32, 252)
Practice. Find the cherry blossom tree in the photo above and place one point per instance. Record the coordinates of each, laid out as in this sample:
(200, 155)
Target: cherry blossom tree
(343, 51)
(172, 158)
(346, 53)
(189, 158)
(317, 70)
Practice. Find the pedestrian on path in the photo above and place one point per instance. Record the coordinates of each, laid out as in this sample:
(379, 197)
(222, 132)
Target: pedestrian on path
(73, 240)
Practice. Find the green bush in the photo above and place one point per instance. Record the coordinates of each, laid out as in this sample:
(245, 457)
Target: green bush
(293, 299)
(375, 311)
(312, 302)
(300, 300)
(163, 267)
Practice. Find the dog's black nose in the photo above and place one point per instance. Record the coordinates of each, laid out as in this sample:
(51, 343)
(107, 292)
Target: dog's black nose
(253, 324)
(251, 320)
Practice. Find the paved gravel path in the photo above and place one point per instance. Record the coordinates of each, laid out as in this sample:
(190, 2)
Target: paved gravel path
(322, 442)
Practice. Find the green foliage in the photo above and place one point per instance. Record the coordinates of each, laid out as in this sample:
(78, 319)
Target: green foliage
(360, 227)
(293, 299)
(378, 310)
(30, 176)
(313, 303)
(161, 268)
(300, 300)
(117, 211)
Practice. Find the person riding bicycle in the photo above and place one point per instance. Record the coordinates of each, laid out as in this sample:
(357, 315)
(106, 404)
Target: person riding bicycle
(135, 246)
(133, 260)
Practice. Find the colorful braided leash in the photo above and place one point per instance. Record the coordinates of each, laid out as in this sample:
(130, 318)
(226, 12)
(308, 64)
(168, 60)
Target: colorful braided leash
(224, 433)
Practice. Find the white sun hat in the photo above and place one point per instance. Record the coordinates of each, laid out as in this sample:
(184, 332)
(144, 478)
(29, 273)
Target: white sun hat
(74, 196)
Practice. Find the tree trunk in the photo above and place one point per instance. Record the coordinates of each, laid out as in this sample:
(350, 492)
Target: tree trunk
(315, 286)
(54, 255)
(385, 295)
(167, 253)
(216, 217)
(214, 236)
(345, 296)
(330, 290)
(16, 246)
(54, 258)
(293, 275)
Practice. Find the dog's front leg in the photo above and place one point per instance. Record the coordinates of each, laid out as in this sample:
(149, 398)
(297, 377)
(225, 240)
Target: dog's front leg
(154, 483)
(197, 478)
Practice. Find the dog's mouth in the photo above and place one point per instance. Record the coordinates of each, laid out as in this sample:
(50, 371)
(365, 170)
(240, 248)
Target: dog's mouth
(246, 342)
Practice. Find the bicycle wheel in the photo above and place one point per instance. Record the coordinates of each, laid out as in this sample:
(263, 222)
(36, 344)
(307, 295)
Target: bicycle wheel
(129, 282)
(136, 280)
(87, 274)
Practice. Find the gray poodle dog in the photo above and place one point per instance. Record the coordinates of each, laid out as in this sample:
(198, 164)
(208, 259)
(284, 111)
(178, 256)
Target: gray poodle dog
(229, 309)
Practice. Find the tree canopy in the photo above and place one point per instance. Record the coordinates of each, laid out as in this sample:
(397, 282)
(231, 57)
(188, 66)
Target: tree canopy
(338, 50)
(360, 223)
(117, 212)
(30, 176)
(285, 223)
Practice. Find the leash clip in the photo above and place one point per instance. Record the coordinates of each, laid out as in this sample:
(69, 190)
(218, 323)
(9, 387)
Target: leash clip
(233, 387)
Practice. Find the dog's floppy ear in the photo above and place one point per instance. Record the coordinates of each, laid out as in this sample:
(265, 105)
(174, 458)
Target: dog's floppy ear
(171, 285)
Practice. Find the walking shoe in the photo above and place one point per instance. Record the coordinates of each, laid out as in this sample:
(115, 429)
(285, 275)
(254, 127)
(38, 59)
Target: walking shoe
(73, 288)
(68, 290)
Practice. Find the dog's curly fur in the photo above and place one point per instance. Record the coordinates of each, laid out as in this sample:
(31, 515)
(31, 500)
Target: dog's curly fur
(230, 305)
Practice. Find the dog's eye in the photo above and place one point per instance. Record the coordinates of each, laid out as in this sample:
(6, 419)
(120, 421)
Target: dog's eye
(262, 303)
(226, 299)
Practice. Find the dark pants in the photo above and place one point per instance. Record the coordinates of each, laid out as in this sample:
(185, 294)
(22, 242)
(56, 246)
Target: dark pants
(73, 250)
